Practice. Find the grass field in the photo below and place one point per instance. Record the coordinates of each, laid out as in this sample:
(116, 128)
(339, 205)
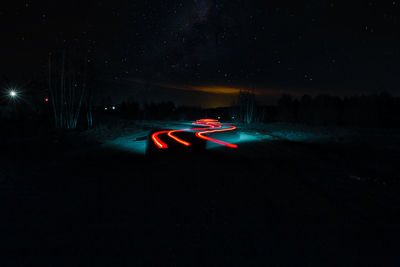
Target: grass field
(289, 195)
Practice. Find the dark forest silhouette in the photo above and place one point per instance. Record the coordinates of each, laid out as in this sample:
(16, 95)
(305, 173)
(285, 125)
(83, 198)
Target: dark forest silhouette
(377, 111)
(364, 111)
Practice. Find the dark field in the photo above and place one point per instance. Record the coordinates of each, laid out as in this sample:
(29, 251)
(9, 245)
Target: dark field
(286, 197)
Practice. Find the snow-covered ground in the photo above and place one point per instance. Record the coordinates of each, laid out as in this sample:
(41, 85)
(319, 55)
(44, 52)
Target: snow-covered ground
(291, 185)
(125, 132)
(307, 133)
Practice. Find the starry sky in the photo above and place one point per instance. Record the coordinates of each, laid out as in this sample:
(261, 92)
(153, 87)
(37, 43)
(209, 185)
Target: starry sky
(203, 49)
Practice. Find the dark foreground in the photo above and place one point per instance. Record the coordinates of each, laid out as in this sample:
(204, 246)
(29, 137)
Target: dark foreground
(71, 202)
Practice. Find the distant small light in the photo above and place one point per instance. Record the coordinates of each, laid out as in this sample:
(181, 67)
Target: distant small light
(233, 118)
(13, 93)
(219, 118)
(113, 108)
(46, 99)
(105, 108)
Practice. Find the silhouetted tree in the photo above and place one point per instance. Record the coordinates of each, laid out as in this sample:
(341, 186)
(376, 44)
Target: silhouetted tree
(68, 77)
(363, 111)
(287, 109)
(247, 105)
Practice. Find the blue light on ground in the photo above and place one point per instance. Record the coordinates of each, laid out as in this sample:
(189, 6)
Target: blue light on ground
(129, 143)
(238, 138)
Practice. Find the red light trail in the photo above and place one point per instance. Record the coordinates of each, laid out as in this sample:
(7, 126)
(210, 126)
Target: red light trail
(177, 139)
(211, 126)
(201, 135)
(157, 140)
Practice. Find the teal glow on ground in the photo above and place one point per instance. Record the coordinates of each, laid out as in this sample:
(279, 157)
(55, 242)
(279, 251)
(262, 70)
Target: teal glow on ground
(266, 133)
(129, 143)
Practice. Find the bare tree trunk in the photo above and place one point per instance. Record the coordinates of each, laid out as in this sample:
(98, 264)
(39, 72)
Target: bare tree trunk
(89, 108)
(247, 105)
(53, 95)
(250, 106)
(68, 97)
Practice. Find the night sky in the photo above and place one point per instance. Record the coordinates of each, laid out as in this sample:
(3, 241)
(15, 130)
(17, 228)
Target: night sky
(196, 51)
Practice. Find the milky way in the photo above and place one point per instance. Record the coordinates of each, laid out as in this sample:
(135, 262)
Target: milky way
(304, 45)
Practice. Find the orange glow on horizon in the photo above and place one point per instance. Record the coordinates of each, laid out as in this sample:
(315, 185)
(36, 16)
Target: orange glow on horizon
(214, 89)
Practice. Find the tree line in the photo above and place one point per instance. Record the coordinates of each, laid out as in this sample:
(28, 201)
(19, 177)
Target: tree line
(379, 110)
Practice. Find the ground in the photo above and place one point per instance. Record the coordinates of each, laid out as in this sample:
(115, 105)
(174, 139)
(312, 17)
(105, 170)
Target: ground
(289, 195)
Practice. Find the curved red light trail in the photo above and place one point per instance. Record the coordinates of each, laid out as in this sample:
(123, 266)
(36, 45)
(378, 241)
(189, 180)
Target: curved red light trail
(157, 140)
(211, 126)
(201, 135)
(177, 139)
